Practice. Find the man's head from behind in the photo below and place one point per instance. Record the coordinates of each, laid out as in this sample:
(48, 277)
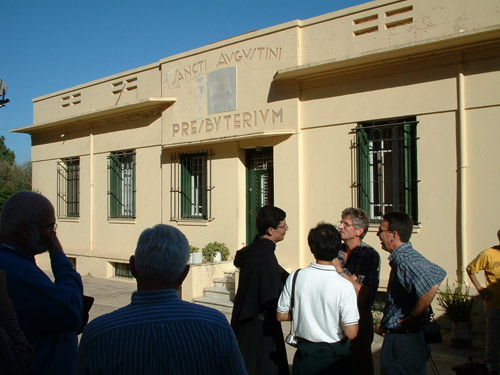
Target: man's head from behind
(27, 222)
(161, 256)
(324, 241)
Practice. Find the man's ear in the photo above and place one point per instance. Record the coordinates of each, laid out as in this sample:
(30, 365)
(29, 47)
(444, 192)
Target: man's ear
(132, 266)
(395, 236)
(24, 230)
(184, 274)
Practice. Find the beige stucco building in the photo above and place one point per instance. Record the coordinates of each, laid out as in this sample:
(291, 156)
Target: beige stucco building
(386, 105)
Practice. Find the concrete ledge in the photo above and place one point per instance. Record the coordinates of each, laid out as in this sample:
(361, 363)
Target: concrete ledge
(202, 276)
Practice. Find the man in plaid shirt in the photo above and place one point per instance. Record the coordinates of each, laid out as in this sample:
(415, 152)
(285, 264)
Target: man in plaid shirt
(413, 284)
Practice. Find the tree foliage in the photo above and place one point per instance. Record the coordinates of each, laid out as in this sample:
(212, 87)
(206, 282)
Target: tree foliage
(5, 153)
(13, 177)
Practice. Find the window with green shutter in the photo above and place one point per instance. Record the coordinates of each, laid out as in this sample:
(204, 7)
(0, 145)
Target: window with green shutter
(387, 167)
(194, 186)
(190, 186)
(121, 184)
(68, 188)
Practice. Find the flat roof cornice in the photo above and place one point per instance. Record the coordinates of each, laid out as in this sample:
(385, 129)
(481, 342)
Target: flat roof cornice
(384, 56)
(104, 113)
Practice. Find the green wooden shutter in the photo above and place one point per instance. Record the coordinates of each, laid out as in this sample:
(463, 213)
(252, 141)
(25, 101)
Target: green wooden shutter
(204, 187)
(410, 160)
(363, 169)
(185, 187)
(72, 187)
(134, 185)
(115, 189)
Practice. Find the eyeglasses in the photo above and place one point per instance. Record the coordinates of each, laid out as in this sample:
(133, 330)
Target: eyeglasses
(346, 224)
(383, 230)
(284, 226)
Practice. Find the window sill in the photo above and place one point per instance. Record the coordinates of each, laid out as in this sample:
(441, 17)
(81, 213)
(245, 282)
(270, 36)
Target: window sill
(192, 222)
(124, 220)
(68, 219)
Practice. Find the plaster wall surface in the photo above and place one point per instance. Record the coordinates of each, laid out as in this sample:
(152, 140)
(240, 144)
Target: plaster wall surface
(120, 89)
(300, 88)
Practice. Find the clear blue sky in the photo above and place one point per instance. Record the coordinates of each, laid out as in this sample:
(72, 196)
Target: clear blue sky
(47, 46)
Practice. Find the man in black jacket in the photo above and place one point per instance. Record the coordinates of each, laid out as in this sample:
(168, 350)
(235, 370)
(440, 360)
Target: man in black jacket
(254, 322)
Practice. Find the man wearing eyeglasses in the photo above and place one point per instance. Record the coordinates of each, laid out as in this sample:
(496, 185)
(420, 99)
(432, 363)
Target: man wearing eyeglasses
(359, 263)
(49, 313)
(261, 281)
(413, 284)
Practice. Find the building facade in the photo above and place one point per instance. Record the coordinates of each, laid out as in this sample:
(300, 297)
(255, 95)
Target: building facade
(389, 105)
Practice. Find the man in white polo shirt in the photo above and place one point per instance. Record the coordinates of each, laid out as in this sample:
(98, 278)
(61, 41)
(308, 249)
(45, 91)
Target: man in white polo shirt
(325, 311)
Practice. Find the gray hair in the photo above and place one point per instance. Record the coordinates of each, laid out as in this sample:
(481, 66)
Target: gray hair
(359, 218)
(23, 206)
(162, 253)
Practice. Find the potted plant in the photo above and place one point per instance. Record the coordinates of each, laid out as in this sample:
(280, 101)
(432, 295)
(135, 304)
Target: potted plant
(215, 251)
(195, 255)
(458, 308)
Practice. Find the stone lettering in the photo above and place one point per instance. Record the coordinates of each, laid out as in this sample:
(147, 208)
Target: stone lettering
(235, 121)
(227, 118)
(278, 116)
(185, 128)
(175, 129)
(263, 53)
(247, 116)
(222, 60)
(185, 72)
(217, 122)
(249, 54)
(264, 117)
(208, 125)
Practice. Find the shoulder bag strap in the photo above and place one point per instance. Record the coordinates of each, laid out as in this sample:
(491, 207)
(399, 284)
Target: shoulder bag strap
(292, 297)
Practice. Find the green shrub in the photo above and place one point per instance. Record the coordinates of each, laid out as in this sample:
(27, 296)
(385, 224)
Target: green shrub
(456, 302)
(193, 249)
(211, 249)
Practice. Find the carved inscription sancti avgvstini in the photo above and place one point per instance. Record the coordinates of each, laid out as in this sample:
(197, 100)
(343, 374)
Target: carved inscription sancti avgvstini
(252, 119)
(179, 75)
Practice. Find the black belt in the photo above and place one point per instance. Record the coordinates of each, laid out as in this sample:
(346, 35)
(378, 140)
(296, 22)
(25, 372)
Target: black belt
(403, 330)
(342, 342)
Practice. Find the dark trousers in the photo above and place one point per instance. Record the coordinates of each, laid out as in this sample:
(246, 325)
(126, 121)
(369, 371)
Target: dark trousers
(322, 358)
(361, 346)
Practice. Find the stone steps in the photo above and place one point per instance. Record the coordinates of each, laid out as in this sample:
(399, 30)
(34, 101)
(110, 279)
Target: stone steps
(220, 296)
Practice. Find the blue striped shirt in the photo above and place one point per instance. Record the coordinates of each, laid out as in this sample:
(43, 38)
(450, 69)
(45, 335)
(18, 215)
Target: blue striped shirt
(411, 277)
(158, 333)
